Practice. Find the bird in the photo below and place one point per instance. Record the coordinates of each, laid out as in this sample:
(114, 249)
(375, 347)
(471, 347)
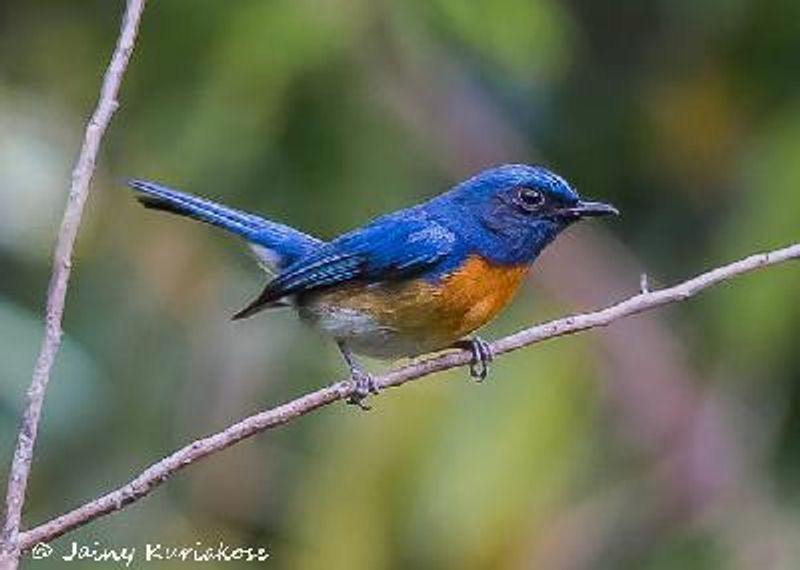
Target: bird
(411, 282)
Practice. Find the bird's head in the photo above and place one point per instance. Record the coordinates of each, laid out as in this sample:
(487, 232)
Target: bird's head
(513, 211)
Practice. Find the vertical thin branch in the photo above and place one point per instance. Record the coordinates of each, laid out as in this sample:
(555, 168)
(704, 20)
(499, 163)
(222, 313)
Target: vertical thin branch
(62, 264)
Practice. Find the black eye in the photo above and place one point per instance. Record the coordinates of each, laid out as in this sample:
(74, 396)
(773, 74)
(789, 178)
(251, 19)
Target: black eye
(529, 199)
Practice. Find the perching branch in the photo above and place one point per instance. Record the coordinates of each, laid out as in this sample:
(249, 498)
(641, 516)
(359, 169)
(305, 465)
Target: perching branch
(159, 472)
(62, 263)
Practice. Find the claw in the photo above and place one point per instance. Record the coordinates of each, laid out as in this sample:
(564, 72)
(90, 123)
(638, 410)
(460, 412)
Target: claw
(365, 385)
(364, 382)
(482, 356)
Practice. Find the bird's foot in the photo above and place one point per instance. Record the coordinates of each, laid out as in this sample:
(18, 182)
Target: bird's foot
(364, 382)
(364, 386)
(482, 356)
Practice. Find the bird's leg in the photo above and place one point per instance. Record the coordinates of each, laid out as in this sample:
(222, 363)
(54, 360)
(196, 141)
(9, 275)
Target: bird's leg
(365, 383)
(482, 356)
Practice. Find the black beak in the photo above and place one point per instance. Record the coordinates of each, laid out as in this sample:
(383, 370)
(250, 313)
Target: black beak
(584, 209)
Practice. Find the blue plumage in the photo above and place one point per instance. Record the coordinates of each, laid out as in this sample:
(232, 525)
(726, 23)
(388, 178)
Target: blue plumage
(396, 246)
(413, 280)
(485, 212)
(284, 245)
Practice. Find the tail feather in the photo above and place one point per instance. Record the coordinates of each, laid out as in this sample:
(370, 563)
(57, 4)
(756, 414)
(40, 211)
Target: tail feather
(280, 245)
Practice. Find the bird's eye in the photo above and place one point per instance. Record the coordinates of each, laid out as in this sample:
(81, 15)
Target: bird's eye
(529, 199)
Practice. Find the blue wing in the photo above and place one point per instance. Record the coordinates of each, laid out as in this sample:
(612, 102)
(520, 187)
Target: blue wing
(392, 247)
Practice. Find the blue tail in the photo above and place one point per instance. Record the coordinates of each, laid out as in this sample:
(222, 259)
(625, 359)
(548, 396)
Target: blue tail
(275, 244)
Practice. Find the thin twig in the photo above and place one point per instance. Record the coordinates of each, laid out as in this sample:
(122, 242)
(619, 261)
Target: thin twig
(159, 472)
(62, 262)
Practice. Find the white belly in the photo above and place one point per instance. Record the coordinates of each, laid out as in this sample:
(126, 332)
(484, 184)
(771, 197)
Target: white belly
(363, 334)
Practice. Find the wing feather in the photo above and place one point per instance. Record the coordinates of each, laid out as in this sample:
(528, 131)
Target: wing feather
(392, 247)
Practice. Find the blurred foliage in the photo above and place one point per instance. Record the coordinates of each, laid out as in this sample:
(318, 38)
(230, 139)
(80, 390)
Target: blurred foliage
(323, 113)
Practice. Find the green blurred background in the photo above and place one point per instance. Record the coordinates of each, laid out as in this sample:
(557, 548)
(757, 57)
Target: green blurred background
(666, 441)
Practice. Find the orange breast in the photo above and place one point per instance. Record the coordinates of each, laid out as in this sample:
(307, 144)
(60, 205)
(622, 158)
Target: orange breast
(475, 293)
(419, 316)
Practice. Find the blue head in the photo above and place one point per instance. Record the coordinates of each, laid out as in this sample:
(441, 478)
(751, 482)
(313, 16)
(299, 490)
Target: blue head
(510, 213)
